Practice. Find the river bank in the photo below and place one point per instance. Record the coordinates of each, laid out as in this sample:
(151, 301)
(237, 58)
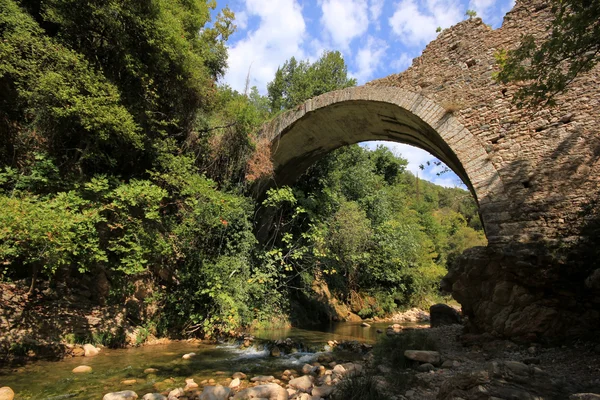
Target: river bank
(442, 363)
(52, 325)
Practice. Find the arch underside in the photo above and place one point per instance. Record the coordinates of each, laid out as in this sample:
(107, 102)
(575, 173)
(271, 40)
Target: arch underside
(308, 139)
(302, 136)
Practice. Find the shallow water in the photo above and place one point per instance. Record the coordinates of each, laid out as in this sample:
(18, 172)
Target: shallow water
(54, 380)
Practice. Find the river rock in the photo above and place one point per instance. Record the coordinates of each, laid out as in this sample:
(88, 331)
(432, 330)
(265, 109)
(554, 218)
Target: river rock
(425, 367)
(90, 350)
(443, 314)
(129, 382)
(239, 375)
(263, 378)
(176, 393)
(82, 369)
(154, 396)
(450, 364)
(275, 352)
(188, 356)
(6, 393)
(270, 392)
(303, 383)
(424, 356)
(124, 395)
(307, 369)
(78, 352)
(235, 383)
(339, 369)
(190, 384)
(364, 324)
(217, 392)
(150, 371)
(322, 391)
(584, 396)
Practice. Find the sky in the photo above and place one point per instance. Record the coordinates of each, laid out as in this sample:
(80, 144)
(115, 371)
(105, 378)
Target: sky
(376, 37)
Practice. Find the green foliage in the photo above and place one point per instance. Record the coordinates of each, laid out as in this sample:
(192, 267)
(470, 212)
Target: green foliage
(471, 14)
(438, 29)
(296, 82)
(549, 65)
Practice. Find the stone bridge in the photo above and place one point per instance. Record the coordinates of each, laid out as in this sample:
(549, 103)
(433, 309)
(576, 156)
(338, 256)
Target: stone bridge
(534, 172)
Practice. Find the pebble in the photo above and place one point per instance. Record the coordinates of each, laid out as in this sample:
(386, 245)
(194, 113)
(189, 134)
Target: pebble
(6, 393)
(90, 350)
(154, 396)
(150, 371)
(82, 369)
(188, 356)
(129, 382)
(262, 378)
(123, 395)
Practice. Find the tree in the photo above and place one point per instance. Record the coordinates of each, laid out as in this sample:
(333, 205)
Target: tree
(471, 14)
(298, 81)
(551, 64)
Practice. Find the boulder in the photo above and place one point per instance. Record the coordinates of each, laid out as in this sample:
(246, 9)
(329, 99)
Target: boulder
(82, 369)
(90, 350)
(303, 383)
(443, 314)
(584, 396)
(322, 391)
(217, 392)
(270, 392)
(154, 396)
(6, 393)
(263, 378)
(423, 356)
(124, 395)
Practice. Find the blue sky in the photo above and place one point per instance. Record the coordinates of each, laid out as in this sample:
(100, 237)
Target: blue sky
(376, 37)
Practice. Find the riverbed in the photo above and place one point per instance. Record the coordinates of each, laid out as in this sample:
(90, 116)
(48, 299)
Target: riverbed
(54, 380)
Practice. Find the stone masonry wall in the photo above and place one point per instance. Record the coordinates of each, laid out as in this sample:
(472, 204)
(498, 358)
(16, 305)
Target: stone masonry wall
(546, 283)
(547, 158)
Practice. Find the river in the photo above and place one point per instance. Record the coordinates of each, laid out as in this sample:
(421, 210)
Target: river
(54, 380)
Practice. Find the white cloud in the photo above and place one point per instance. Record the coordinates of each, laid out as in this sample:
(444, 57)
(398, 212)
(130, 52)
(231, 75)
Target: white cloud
(279, 36)
(415, 23)
(482, 7)
(344, 20)
(241, 20)
(402, 62)
(368, 59)
(375, 9)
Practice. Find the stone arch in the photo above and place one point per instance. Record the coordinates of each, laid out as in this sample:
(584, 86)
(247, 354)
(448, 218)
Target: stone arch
(301, 136)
